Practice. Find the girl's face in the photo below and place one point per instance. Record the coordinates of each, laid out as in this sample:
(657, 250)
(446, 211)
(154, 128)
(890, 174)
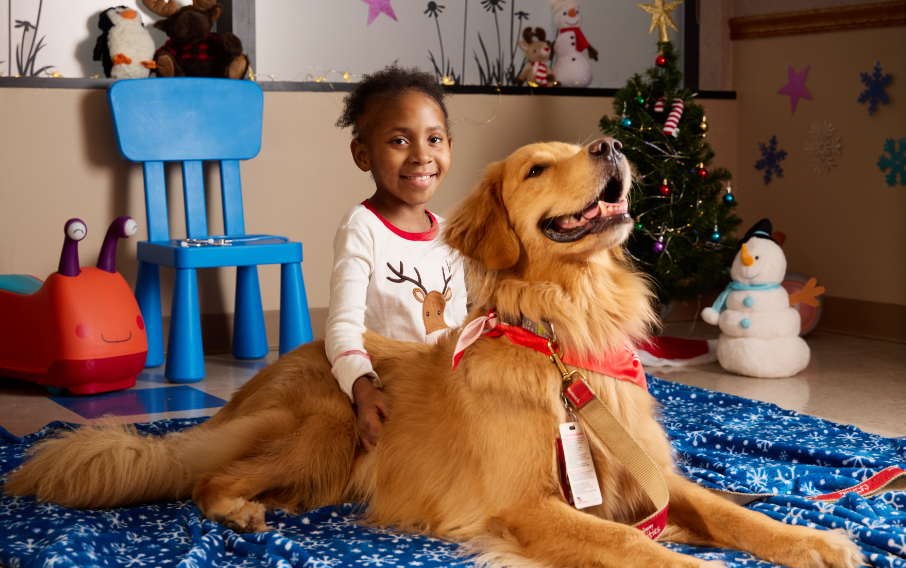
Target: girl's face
(406, 148)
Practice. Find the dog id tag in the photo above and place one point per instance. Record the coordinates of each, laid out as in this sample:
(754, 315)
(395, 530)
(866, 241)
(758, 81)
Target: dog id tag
(579, 466)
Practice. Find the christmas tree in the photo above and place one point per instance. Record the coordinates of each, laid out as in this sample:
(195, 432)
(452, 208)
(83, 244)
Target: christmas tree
(683, 215)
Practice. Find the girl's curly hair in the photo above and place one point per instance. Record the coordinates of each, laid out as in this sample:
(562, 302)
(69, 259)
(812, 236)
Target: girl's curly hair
(386, 85)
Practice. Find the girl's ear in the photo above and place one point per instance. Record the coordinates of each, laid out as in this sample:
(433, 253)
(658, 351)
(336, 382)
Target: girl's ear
(360, 155)
(480, 229)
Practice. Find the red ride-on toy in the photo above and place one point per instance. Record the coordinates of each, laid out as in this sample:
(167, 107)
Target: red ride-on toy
(81, 329)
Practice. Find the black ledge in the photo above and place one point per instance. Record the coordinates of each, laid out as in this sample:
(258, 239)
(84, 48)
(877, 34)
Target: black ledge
(324, 87)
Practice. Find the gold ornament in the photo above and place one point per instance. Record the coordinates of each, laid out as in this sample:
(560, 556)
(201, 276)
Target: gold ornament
(660, 17)
(704, 125)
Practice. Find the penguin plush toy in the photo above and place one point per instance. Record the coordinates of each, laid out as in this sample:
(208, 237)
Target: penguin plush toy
(126, 49)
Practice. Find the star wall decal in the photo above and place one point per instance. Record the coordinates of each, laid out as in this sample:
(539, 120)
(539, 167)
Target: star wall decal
(660, 17)
(377, 7)
(795, 86)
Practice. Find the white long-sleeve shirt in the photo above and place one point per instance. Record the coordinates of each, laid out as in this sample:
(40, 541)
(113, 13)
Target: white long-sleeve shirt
(405, 286)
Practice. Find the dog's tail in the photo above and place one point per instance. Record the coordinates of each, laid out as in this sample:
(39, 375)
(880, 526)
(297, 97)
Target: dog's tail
(110, 465)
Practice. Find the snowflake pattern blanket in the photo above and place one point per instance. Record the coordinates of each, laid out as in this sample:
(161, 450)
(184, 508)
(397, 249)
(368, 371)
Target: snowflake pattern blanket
(721, 441)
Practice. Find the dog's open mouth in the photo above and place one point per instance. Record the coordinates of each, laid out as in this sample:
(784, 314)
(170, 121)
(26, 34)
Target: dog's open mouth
(608, 209)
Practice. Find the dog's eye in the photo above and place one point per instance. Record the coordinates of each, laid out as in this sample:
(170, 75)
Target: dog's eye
(535, 171)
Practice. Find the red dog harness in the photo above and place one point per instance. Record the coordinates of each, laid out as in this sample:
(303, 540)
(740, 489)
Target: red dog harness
(621, 364)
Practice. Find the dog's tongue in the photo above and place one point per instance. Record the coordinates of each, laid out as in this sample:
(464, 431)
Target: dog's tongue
(594, 210)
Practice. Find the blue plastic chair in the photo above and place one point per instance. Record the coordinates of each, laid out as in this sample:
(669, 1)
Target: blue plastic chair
(189, 120)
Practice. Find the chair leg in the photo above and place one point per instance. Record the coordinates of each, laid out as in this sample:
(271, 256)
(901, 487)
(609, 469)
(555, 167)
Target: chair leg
(185, 357)
(249, 335)
(295, 321)
(147, 294)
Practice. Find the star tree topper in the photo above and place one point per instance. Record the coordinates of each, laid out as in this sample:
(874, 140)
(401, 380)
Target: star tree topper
(660, 17)
(376, 7)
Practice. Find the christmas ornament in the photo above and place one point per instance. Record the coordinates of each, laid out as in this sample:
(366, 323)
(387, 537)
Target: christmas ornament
(640, 99)
(795, 86)
(823, 147)
(676, 111)
(660, 17)
(729, 198)
(664, 189)
(770, 161)
(702, 171)
(715, 236)
(659, 245)
(704, 125)
(874, 93)
(896, 161)
(625, 122)
(660, 61)
(659, 105)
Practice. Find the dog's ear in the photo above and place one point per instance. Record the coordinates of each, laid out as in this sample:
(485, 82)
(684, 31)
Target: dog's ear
(480, 227)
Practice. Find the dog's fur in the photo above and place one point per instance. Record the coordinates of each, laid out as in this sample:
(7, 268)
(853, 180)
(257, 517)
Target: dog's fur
(468, 454)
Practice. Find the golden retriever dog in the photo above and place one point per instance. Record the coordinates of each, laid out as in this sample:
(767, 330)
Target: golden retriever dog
(468, 454)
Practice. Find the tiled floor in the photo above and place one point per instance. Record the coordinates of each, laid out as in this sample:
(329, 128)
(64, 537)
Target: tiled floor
(849, 380)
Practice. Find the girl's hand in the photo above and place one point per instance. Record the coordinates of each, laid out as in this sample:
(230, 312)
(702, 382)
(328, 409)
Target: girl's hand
(373, 407)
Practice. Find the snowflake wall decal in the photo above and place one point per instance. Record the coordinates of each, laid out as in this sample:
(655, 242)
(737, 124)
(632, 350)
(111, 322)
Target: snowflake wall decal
(823, 146)
(895, 160)
(874, 93)
(770, 161)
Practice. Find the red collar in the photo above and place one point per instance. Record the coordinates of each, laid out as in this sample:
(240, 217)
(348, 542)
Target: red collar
(622, 364)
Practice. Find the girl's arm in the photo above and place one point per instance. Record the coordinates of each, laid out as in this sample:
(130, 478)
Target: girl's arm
(352, 269)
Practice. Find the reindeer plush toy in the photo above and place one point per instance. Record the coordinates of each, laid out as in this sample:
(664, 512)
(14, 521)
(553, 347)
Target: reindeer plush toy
(192, 50)
(537, 52)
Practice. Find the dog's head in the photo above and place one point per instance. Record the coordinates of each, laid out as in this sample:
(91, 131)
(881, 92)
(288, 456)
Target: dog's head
(550, 202)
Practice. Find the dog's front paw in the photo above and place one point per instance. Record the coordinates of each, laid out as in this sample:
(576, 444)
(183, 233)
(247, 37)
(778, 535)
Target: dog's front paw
(239, 515)
(821, 549)
(837, 550)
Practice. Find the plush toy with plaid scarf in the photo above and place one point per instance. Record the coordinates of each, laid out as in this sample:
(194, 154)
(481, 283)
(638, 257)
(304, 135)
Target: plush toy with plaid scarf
(193, 50)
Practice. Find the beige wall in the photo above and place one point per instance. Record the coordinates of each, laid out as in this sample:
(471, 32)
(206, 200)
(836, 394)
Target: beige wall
(846, 227)
(58, 160)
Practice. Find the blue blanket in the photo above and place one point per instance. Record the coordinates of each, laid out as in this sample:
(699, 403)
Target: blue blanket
(721, 440)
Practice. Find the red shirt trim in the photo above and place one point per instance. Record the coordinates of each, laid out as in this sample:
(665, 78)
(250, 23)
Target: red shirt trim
(426, 236)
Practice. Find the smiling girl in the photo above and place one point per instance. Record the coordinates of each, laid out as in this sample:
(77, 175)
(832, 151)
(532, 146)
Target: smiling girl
(391, 273)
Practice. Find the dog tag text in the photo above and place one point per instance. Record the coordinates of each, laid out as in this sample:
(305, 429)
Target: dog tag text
(579, 467)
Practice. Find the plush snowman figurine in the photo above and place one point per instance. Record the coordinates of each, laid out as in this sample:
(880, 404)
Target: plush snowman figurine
(126, 49)
(759, 327)
(571, 67)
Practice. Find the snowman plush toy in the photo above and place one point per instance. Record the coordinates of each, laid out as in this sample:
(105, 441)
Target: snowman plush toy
(572, 67)
(759, 327)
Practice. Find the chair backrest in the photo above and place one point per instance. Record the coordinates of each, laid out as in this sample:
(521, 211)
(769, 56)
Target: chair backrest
(188, 120)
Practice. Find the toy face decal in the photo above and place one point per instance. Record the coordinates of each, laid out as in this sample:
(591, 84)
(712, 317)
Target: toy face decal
(116, 340)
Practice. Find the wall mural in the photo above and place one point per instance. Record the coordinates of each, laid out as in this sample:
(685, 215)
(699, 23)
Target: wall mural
(22, 60)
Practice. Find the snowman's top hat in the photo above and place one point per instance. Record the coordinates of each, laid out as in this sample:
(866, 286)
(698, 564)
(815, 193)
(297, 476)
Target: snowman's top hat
(761, 230)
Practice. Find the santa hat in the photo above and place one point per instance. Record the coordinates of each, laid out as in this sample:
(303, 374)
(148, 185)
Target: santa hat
(761, 229)
(677, 352)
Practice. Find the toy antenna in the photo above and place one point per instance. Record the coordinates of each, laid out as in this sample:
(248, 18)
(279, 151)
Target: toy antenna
(75, 230)
(121, 228)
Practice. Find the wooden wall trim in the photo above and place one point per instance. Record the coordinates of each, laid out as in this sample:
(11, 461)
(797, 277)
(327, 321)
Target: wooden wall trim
(877, 15)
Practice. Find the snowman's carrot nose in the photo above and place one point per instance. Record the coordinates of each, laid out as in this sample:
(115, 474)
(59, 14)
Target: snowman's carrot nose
(746, 257)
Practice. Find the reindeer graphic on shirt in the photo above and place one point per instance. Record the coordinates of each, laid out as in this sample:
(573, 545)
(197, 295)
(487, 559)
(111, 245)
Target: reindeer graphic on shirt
(433, 303)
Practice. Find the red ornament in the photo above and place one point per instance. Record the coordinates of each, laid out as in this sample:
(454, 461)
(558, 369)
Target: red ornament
(665, 190)
(660, 61)
(703, 172)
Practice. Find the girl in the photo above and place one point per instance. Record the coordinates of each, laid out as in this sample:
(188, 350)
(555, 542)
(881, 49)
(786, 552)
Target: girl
(391, 273)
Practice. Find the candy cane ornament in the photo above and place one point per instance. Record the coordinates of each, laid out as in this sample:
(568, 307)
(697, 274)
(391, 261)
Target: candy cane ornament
(659, 105)
(676, 111)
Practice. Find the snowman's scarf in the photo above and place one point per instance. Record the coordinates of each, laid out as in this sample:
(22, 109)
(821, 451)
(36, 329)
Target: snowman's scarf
(720, 304)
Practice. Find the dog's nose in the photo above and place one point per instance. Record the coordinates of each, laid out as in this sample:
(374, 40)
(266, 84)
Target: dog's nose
(606, 148)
